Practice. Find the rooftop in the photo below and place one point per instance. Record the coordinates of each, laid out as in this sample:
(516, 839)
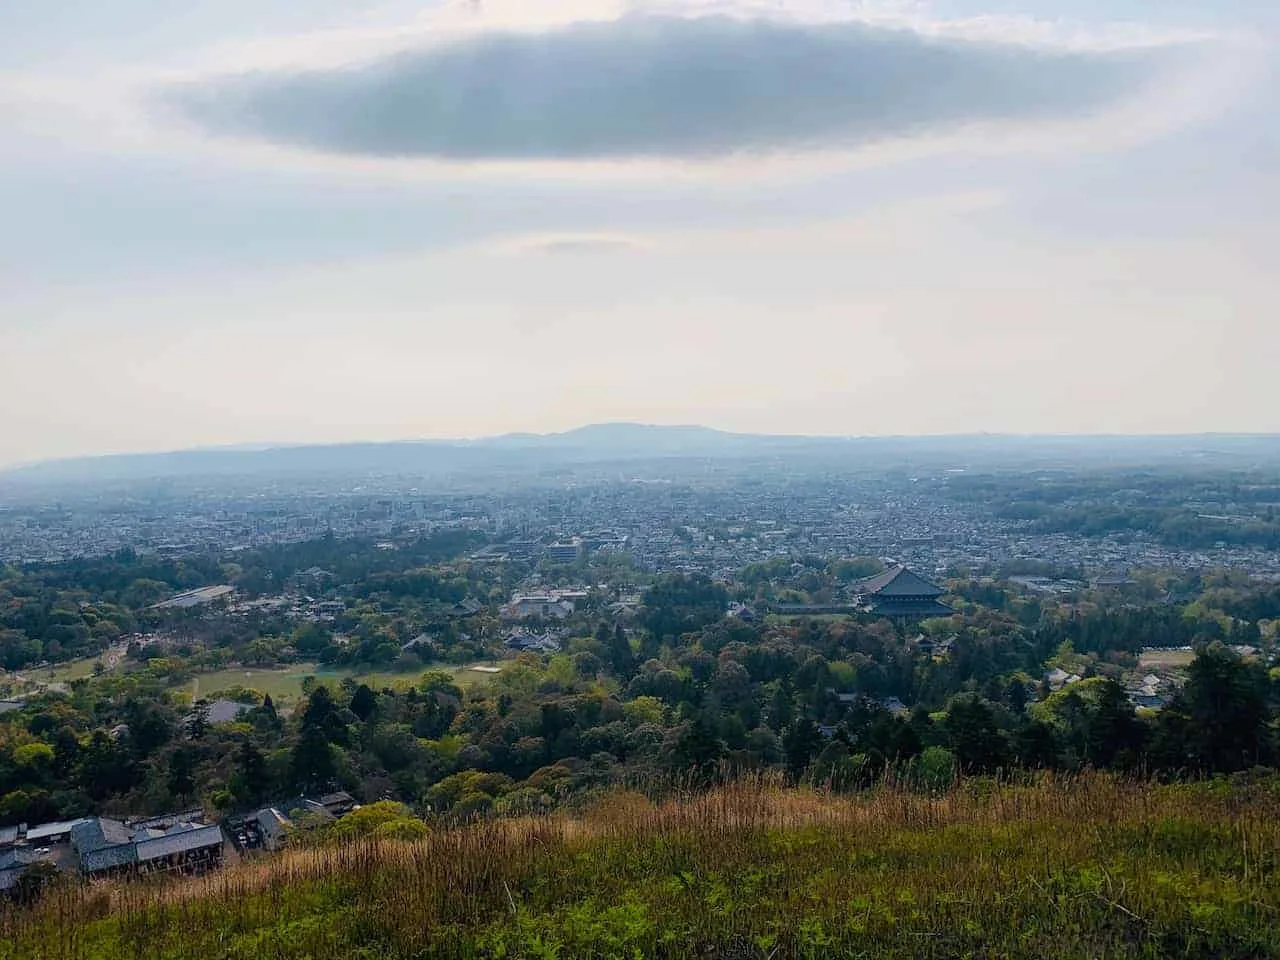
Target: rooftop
(898, 582)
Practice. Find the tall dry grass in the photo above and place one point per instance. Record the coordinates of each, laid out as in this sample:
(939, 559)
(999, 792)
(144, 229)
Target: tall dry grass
(1099, 864)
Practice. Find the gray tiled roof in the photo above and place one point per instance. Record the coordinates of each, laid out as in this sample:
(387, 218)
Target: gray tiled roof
(165, 821)
(97, 833)
(899, 582)
(46, 830)
(179, 843)
(226, 711)
(109, 858)
(17, 859)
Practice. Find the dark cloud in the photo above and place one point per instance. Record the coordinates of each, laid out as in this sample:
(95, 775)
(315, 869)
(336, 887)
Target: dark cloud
(660, 87)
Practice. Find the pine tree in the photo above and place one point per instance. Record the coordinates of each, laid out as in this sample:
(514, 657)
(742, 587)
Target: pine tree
(252, 779)
(621, 654)
(182, 772)
(313, 765)
(364, 702)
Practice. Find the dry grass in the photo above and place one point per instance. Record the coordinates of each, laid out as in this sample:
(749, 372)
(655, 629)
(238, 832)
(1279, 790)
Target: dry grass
(1084, 866)
(1165, 659)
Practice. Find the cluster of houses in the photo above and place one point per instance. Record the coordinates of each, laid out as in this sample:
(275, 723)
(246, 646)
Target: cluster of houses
(187, 842)
(266, 829)
(1151, 692)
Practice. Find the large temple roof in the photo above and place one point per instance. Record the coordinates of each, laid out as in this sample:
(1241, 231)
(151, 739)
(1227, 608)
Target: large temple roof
(898, 582)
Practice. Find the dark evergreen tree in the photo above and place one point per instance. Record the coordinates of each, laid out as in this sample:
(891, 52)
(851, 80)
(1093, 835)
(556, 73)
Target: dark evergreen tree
(621, 655)
(364, 702)
(800, 742)
(974, 736)
(252, 780)
(1219, 721)
(697, 752)
(182, 772)
(1113, 736)
(313, 766)
(322, 714)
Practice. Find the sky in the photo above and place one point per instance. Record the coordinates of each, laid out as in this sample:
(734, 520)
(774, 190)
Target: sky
(228, 222)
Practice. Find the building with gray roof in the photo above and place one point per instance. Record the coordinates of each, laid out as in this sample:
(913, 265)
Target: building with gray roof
(900, 594)
(58, 832)
(179, 848)
(107, 846)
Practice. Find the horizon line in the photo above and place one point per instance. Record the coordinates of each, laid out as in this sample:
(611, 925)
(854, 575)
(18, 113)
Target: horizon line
(251, 447)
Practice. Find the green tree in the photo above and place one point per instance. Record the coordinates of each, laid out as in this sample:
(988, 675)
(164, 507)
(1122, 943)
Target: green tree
(696, 752)
(677, 604)
(800, 742)
(322, 714)
(1220, 720)
(1113, 735)
(621, 656)
(312, 764)
(934, 770)
(363, 702)
(252, 779)
(182, 772)
(974, 735)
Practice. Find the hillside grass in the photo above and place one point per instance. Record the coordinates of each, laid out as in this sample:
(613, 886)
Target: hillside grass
(1091, 866)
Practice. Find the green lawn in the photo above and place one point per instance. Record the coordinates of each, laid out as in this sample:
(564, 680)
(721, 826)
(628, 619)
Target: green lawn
(285, 684)
(61, 673)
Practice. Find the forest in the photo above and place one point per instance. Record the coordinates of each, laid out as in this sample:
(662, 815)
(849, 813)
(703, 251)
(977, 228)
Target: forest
(676, 690)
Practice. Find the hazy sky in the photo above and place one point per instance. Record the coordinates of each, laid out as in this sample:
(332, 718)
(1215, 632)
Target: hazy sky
(228, 221)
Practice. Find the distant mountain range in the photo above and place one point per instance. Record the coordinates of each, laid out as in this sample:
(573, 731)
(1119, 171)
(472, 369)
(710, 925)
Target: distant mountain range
(620, 442)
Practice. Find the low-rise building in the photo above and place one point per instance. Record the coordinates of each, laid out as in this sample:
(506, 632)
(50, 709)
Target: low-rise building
(563, 552)
(178, 843)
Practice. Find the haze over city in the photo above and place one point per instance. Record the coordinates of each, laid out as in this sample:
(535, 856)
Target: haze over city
(344, 220)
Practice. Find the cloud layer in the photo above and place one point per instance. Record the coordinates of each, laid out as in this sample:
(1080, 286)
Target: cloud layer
(650, 87)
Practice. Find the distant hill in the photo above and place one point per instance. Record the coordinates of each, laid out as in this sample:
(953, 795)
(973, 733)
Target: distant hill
(620, 442)
(594, 443)
(630, 439)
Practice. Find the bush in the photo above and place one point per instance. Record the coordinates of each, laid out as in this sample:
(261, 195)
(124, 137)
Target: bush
(933, 771)
(384, 819)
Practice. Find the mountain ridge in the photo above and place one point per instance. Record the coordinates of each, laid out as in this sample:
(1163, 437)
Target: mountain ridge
(620, 441)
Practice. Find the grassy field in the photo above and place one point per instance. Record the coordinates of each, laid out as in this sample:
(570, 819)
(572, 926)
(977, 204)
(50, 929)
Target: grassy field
(1086, 867)
(284, 685)
(1165, 659)
(62, 673)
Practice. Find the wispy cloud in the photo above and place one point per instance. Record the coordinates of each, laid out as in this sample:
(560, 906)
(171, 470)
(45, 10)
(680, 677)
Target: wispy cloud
(662, 87)
(569, 243)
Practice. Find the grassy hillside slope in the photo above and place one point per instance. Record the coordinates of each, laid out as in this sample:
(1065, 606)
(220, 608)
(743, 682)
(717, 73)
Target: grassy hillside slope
(1085, 867)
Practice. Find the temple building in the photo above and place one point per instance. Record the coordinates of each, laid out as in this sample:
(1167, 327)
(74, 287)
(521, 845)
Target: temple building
(900, 594)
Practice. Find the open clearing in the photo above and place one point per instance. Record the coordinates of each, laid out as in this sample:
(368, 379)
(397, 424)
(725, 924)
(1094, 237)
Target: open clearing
(58, 675)
(284, 684)
(1172, 659)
